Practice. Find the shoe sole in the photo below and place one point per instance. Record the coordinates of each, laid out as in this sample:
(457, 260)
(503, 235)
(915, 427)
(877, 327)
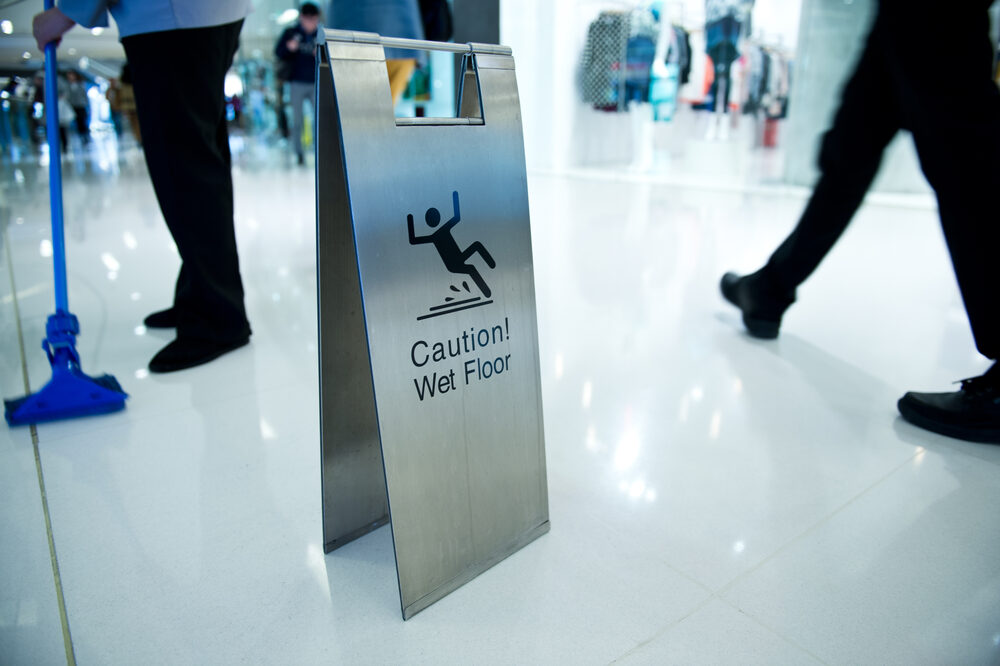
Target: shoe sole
(163, 369)
(917, 418)
(761, 328)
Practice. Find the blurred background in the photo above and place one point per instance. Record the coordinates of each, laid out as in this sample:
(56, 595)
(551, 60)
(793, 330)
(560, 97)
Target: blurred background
(727, 92)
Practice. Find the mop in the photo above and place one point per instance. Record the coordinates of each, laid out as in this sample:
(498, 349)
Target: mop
(70, 393)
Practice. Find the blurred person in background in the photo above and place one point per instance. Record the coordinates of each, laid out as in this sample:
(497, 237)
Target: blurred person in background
(77, 97)
(388, 18)
(126, 101)
(66, 116)
(179, 52)
(296, 52)
(113, 95)
(951, 105)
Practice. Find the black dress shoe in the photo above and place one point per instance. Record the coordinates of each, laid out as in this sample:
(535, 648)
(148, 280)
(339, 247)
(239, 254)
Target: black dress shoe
(762, 303)
(185, 353)
(971, 413)
(162, 319)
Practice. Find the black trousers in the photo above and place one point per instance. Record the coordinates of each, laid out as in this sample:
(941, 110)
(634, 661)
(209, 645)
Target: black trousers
(178, 81)
(81, 121)
(927, 70)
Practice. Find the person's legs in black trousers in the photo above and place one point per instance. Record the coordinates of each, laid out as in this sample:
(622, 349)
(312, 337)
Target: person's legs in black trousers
(953, 109)
(952, 106)
(178, 80)
(81, 123)
(851, 152)
(867, 119)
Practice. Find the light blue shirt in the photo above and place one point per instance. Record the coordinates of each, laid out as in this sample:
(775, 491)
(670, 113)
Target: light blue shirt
(135, 17)
(389, 18)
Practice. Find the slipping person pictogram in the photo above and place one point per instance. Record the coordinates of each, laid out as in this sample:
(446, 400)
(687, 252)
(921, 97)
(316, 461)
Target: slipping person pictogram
(455, 260)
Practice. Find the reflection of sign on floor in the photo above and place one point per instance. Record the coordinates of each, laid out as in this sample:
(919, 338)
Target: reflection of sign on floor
(455, 260)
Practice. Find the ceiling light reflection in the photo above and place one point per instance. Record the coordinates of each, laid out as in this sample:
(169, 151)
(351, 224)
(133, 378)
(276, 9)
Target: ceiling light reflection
(110, 262)
(559, 366)
(628, 450)
(6, 26)
(287, 16)
(588, 394)
(139, 330)
(141, 373)
(45, 248)
(130, 240)
(636, 490)
(266, 431)
(737, 386)
(591, 442)
(135, 296)
(697, 394)
(716, 425)
(739, 547)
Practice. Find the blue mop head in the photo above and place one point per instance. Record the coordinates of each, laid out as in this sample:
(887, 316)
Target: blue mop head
(70, 393)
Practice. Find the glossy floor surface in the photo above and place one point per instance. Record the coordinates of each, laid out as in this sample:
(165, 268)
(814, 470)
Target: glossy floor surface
(714, 499)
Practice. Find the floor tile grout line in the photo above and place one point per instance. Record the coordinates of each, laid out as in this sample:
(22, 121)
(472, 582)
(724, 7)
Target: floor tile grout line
(815, 526)
(756, 620)
(609, 526)
(63, 617)
(17, 321)
(662, 632)
(717, 594)
(713, 597)
(812, 528)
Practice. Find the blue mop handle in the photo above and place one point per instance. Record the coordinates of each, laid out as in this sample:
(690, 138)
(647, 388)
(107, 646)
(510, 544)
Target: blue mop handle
(55, 173)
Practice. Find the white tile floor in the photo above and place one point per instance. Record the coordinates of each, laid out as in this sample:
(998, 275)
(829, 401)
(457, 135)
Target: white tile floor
(714, 499)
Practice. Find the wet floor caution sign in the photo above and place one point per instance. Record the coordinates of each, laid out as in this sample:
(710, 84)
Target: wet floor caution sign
(431, 409)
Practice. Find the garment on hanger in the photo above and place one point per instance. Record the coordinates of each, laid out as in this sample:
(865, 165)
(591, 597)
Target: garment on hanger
(718, 9)
(618, 58)
(680, 53)
(607, 38)
(640, 52)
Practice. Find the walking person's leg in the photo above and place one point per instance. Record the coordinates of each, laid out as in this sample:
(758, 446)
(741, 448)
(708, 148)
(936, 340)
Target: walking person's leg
(850, 155)
(953, 109)
(300, 92)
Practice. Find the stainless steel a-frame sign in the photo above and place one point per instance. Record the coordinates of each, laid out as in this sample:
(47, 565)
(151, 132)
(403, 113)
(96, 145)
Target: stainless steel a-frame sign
(431, 403)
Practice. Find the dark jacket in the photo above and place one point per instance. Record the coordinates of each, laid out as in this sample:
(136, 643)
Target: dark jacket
(297, 65)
